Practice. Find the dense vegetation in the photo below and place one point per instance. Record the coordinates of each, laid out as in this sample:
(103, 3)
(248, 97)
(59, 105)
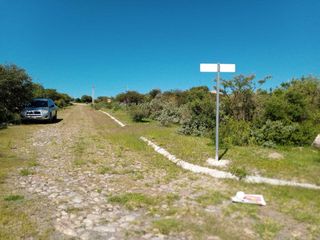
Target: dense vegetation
(84, 99)
(17, 89)
(286, 115)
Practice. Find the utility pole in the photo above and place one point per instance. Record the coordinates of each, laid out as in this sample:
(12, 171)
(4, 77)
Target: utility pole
(92, 95)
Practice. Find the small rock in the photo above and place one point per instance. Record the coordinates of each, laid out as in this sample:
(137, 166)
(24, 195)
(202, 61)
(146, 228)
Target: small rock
(275, 155)
(85, 236)
(65, 229)
(213, 238)
(109, 208)
(77, 200)
(105, 229)
(129, 218)
(64, 213)
(88, 223)
(93, 217)
(316, 142)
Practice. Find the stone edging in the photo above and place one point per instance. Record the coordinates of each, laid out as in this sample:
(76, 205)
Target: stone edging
(113, 118)
(222, 174)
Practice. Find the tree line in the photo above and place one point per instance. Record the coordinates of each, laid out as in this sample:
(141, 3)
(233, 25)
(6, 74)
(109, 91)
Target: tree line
(17, 89)
(286, 115)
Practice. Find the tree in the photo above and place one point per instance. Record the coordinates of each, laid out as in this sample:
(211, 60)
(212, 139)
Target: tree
(61, 99)
(240, 92)
(130, 97)
(15, 90)
(86, 99)
(153, 93)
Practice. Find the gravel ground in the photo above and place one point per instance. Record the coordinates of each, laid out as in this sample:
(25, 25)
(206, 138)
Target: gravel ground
(71, 193)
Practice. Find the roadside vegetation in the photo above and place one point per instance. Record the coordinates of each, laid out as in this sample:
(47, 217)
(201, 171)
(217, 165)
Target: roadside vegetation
(288, 115)
(17, 89)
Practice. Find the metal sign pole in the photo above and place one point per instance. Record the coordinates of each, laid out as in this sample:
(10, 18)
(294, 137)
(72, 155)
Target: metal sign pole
(212, 67)
(217, 113)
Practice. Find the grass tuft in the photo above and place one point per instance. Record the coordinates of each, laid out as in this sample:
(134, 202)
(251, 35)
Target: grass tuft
(104, 170)
(268, 229)
(26, 172)
(240, 172)
(211, 198)
(133, 200)
(13, 198)
(33, 164)
(168, 225)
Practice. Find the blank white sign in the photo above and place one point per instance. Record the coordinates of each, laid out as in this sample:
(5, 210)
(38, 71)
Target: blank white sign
(212, 67)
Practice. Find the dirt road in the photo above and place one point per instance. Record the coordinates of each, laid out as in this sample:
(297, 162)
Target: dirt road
(87, 184)
(78, 169)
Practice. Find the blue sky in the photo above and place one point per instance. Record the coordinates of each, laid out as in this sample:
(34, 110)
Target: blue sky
(145, 44)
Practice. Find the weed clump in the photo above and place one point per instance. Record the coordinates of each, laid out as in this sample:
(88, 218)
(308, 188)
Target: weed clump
(166, 226)
(133, 200)
(240, 172)
(25, 172)
(14, 198)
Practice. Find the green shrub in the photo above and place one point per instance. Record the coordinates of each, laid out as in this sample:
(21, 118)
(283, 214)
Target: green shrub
(169, 114)
(138, 113)
(14, 118)
(201, 121)
(235, 132)
(277, 133)
(61, 103)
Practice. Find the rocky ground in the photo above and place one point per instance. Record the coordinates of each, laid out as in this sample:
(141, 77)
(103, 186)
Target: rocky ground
(78, 169)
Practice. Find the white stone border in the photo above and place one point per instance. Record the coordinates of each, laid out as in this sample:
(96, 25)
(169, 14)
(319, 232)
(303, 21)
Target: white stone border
(188, 166)
(222, 174)
(113, 118)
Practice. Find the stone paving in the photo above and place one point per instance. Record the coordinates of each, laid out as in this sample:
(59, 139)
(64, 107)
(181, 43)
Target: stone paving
(76, 196)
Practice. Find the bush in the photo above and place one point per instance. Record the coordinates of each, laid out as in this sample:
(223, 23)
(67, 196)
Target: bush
(101, 105)
(276, 132)
(138, 113)
(14, 118)
(234, 132)
(200, 121)
(130, 97)
(195, 127)
(169, 114)
(61, 103)
(15, 90)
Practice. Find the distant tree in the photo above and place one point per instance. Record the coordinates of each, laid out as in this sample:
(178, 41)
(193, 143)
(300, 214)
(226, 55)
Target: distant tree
(61, 99)
(15, 90)
(52, 93)
(130, 97)
(38, 91)
(153, 93)
(86, 99)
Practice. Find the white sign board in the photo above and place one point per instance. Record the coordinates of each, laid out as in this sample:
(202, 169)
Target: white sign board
(210, 67)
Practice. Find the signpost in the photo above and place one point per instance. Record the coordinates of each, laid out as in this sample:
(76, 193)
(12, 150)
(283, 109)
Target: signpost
(211, 67)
